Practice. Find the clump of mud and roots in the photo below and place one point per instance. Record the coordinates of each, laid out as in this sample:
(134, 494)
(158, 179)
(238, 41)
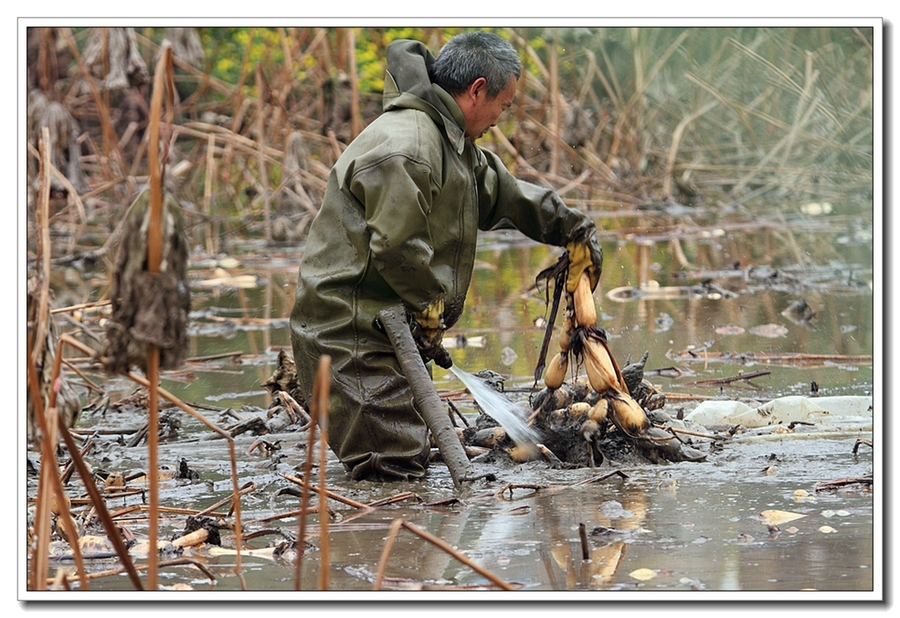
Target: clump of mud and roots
(573, 437)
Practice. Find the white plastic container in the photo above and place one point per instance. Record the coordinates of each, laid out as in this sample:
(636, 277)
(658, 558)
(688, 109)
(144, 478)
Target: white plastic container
(717, 412)
(782, 411)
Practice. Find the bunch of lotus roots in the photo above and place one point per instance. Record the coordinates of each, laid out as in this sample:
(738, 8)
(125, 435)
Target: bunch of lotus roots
(586, 344)
(573, 416)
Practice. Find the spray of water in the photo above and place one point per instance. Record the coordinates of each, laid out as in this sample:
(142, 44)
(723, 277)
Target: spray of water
(511, 416)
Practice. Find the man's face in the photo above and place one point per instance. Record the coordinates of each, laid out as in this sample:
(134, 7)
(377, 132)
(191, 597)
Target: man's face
(483, 111)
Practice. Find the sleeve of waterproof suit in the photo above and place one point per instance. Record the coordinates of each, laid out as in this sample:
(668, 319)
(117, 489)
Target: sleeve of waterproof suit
(538, 212)
(398, 195)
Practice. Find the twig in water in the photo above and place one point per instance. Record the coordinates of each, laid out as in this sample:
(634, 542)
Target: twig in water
(168, 563)
(510, 486)
(87, 381)
(441, 544)
(692, 433)
(191, 562)
(200, 359)
(286, 515)
(90, 305)
(746, 377)
(326, 492)
(859, 442)
(585, 546)
(395, 498)
(867, 479)
(247, 488)
(602, 477)
(70, 467)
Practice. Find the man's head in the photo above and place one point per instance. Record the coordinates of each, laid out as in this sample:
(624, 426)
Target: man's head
(479, 70)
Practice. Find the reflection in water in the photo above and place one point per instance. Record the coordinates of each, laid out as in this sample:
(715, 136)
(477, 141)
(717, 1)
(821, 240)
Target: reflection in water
(610, 527)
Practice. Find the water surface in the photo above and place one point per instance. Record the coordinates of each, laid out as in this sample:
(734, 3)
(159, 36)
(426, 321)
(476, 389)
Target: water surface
(695, 526)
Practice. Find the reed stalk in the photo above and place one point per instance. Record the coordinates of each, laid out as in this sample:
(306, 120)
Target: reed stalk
(355, 122)
(261, 160)
(304, 498)
(321, 393)
(154, 259)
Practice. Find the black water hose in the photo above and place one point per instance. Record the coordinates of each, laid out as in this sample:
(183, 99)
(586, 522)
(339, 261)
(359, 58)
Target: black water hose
(393, 319)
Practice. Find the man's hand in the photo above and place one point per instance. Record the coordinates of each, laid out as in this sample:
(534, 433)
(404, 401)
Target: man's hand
(584, 256)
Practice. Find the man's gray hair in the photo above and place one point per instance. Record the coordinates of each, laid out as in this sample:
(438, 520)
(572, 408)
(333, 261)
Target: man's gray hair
(471, 55)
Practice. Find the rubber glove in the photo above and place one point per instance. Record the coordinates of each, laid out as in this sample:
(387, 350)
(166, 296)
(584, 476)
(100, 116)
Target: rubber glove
(428, 328)
(584, 256)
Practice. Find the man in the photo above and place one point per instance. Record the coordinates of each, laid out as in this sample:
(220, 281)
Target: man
(398, 224)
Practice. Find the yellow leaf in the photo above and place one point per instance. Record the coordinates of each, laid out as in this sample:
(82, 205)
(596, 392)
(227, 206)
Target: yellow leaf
(773, 517)
(643, 574)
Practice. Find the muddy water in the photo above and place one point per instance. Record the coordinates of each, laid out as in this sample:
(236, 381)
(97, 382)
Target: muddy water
(693, 526)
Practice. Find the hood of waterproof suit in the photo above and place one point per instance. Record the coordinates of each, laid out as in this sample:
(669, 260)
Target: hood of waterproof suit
(407, 85)
(398, 224)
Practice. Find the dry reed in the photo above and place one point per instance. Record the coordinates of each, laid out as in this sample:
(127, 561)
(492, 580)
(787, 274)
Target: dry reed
(653, 114)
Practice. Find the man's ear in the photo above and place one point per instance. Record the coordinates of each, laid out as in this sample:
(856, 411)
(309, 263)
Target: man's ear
(476, 89)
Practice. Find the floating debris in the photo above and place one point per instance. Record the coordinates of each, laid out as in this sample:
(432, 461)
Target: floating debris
(730, 329)
(643, 574)
(772, 331)
(799, 312)
(774, 517)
